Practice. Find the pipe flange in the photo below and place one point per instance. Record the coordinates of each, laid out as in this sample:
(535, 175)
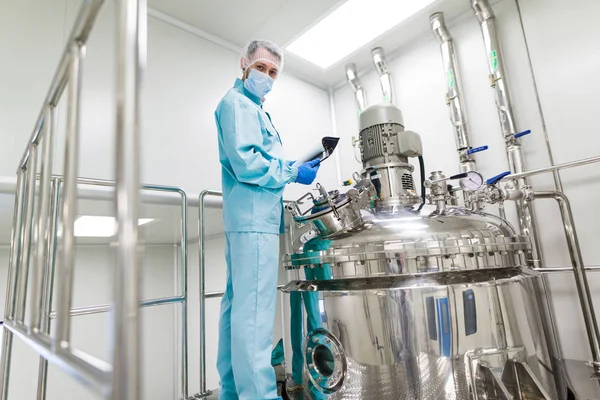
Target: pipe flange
(325, 361)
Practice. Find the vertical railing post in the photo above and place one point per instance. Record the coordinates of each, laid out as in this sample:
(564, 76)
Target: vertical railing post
(131, 53)
(184, 294)
(69, 203)
(48, 283)
(42, 228)
(202, 285)
(13, 267)
(25, 253)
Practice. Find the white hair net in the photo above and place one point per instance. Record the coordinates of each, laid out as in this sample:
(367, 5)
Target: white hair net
(261, 50)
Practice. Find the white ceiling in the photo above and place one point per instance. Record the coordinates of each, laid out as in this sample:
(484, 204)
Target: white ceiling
(235, 22)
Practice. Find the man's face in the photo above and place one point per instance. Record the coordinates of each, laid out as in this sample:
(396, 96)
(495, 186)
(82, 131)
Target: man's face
(266, 68)
(263, 66)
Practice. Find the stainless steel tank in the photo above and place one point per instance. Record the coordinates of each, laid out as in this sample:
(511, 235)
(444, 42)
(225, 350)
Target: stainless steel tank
(424, 301)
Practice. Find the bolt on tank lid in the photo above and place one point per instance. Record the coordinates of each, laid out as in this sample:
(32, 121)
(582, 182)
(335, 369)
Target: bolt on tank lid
(381, 114)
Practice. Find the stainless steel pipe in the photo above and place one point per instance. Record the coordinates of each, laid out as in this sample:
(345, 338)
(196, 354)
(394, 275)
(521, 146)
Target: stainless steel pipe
(126, 313)
(385, 77)
(583, 289)
(43, 221)
(556, 174)
(48, 283)
(69, 202)
(453, 83)
(79, 34)
(497, 78)
(104, 308)
(13, 267)
(26, 239)
(97, 189)
(570, 164)
(454, 98)
(94, 373)
(184, 296)
(121, 382)
(360, 94)
(565, 269)
(202, 285)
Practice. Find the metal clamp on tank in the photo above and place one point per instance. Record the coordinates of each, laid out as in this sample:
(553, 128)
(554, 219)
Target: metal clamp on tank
(334, 212)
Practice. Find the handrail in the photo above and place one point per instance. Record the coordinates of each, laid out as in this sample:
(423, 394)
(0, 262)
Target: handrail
(181, 298)
(92, 191)
(79, 34)
(121, 380)
(583, 289)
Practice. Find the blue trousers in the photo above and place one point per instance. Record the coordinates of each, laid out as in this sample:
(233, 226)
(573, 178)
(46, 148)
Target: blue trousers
(247, 317)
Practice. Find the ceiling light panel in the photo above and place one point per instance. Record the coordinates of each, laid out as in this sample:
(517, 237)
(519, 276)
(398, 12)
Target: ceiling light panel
(351, 26)
(98, 226)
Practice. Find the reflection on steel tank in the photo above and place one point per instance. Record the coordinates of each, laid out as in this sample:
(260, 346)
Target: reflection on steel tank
(425, 301)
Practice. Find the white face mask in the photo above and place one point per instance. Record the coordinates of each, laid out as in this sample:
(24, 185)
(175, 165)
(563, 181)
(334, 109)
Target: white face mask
(258, 83)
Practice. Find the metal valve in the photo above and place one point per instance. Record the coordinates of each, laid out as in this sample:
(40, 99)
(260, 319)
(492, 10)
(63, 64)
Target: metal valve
(440, 191)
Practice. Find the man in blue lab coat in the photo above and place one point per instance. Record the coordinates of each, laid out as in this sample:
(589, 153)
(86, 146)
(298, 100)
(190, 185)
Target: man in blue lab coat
(254, 175)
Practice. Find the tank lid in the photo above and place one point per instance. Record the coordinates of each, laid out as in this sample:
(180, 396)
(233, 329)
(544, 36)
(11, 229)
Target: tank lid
(411, 241)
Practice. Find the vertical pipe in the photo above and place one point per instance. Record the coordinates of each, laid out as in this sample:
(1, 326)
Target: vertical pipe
(583, 289)
(49, 284)
(497, 78)
(28, 221)
(69, 202)
(126, 325)
(13, 266)
(202, 296)
(338, 167)
(360, 93)
(16, 240)
(384, 75)
(556, 173)
(42, 234)
(184, 294)
(177, 323)
(454, 91)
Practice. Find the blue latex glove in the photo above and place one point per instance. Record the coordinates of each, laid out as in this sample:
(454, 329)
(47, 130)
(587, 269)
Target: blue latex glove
(307, 172)
(290, 163)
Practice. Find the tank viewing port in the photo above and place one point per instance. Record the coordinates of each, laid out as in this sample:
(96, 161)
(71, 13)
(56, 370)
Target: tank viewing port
(325, 361)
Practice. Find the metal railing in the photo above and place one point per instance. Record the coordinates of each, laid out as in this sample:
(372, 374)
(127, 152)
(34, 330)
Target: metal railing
(120, 379)
(97, 309)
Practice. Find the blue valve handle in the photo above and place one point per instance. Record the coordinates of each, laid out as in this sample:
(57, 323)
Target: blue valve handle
(477, 149)
(518, 135)
(495, 179)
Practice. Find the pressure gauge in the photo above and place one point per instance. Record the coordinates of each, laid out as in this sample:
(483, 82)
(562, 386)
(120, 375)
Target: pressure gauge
(473, 181)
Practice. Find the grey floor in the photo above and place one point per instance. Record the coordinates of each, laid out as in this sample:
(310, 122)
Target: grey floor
(292, 396)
